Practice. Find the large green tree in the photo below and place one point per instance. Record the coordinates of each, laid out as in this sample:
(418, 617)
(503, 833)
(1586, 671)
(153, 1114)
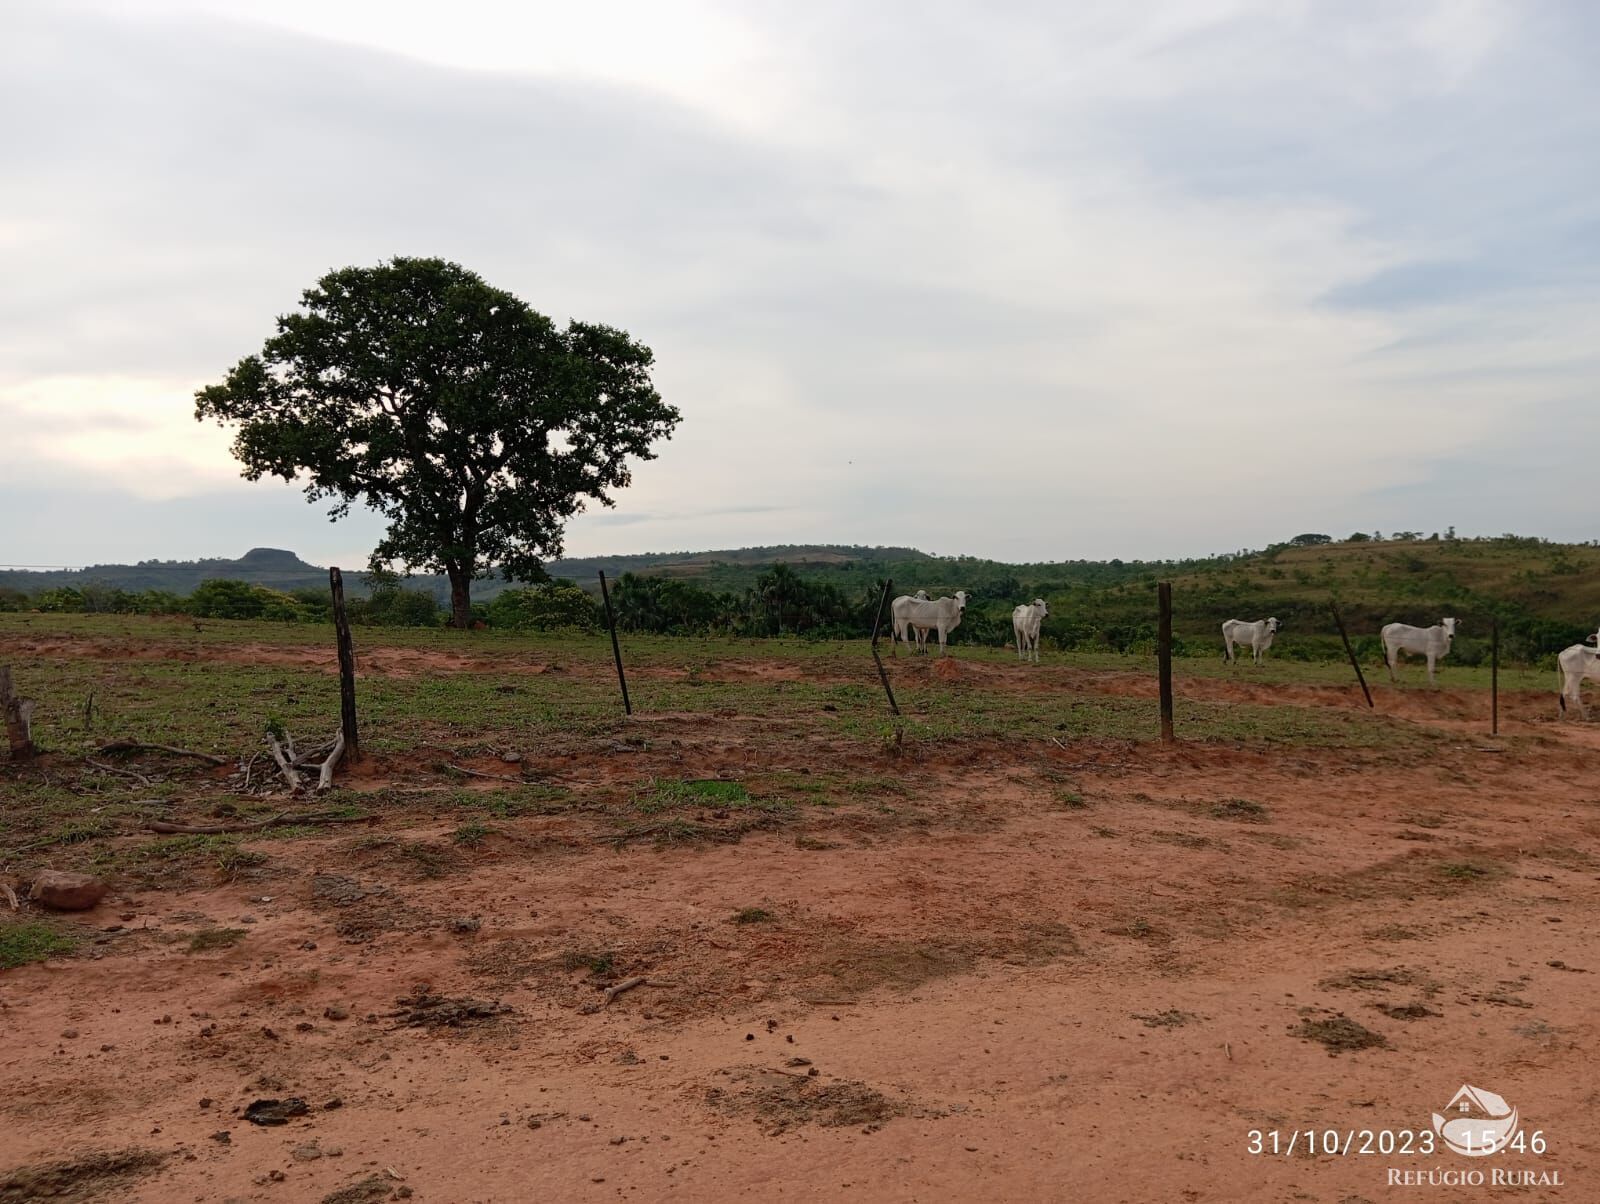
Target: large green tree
(462, 415)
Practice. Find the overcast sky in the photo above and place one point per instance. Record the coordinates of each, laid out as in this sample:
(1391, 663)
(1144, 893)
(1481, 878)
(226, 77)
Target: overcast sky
(1033, 281)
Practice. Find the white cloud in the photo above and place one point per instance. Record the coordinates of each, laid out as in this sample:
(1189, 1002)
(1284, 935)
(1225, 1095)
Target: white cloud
(907, 269)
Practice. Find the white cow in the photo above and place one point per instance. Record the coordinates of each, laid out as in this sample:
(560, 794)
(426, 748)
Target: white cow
(1573, 665)
(1256, 636)
(941, 614)
(1025, 622)
(900, 623)
(1431, 642)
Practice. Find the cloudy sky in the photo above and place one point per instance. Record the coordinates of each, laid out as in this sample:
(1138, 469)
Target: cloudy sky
(1030, 281)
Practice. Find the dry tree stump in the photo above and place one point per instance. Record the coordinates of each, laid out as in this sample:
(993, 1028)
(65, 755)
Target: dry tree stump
(18, 718)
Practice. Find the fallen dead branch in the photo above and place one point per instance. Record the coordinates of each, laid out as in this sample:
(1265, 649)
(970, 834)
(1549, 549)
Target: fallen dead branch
(312, 756)
(130, 746)
(628, 984)
(282, 820)
(325, 775)
(285, 761)
(478, 773)
(126, 773)
(11, 896)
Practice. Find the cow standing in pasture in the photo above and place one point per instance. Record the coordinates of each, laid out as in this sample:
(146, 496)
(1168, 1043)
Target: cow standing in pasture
(1025, 622)
(940, 614)
(1256, 636)
(1431, 642)
(1572, 666)
(899, 620)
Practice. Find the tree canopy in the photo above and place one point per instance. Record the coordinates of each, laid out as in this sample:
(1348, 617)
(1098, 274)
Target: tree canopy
(465, 417)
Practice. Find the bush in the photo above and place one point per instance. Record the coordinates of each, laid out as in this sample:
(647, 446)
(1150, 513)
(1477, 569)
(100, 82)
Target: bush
(391, 606)
(544, 608)
(224, 599)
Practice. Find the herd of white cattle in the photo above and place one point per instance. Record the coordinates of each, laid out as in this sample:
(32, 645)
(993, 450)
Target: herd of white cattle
(915, 615)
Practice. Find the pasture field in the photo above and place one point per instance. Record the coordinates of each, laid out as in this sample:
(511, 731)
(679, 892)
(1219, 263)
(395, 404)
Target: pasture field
(760, 940)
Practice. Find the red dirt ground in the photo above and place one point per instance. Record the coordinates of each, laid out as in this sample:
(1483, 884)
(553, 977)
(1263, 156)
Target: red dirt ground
(1010, 998)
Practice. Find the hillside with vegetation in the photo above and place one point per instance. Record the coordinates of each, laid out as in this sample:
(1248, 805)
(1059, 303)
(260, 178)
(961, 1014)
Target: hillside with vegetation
(1544, 595)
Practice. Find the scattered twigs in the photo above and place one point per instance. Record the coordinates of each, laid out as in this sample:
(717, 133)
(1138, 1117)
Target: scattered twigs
(282, 820)
(325, 774)
(129, 746)
(126, 773)
(285, 762)
(249, 766)
(18, 713)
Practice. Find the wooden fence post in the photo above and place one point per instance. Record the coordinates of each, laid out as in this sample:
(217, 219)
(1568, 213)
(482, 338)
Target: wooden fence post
(1494, 678)
(347, 668)
(18, 718)
(1350, 652)
(877, 619)
(616, 648)
(1164, 658)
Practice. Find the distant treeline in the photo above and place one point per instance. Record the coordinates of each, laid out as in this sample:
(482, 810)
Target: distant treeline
(1544, 595)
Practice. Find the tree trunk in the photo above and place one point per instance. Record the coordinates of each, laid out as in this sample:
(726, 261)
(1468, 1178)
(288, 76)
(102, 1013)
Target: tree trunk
(460, 598)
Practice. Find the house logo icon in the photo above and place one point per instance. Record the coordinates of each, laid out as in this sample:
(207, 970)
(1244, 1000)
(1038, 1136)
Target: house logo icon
(1476, 1123)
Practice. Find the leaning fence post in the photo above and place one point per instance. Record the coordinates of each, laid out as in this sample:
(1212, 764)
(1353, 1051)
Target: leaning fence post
(616, 648)
(1494, 678)
(347, 668)
(1350, 652)
(877, 619)
(1164, 657)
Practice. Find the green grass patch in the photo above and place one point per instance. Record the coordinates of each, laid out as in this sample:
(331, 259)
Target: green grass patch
(208, 940)
(32, 941)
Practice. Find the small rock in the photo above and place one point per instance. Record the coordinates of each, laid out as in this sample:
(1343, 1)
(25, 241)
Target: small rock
(223, 1137)
(334, 1151)
(402, 1193)
(309, 1152)
(618, 1140)
(205, 1103)
(69, 1034)
(275, 1111)
(332, 1104)
(67, 891)
(335, 1012)
(511, 758)
(277, 1176)
(465, 924)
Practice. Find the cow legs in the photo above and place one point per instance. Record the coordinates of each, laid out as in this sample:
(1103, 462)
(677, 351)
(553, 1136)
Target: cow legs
(1431, 660)
(1390, 656)
(1227, 649)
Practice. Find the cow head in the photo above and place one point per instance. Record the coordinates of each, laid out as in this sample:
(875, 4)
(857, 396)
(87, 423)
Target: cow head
(921, 595)
(1272, 626)
(1043, 607)
(1449, 626)
(961, 599)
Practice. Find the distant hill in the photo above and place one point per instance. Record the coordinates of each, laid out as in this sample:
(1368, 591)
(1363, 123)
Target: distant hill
(277, 568)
